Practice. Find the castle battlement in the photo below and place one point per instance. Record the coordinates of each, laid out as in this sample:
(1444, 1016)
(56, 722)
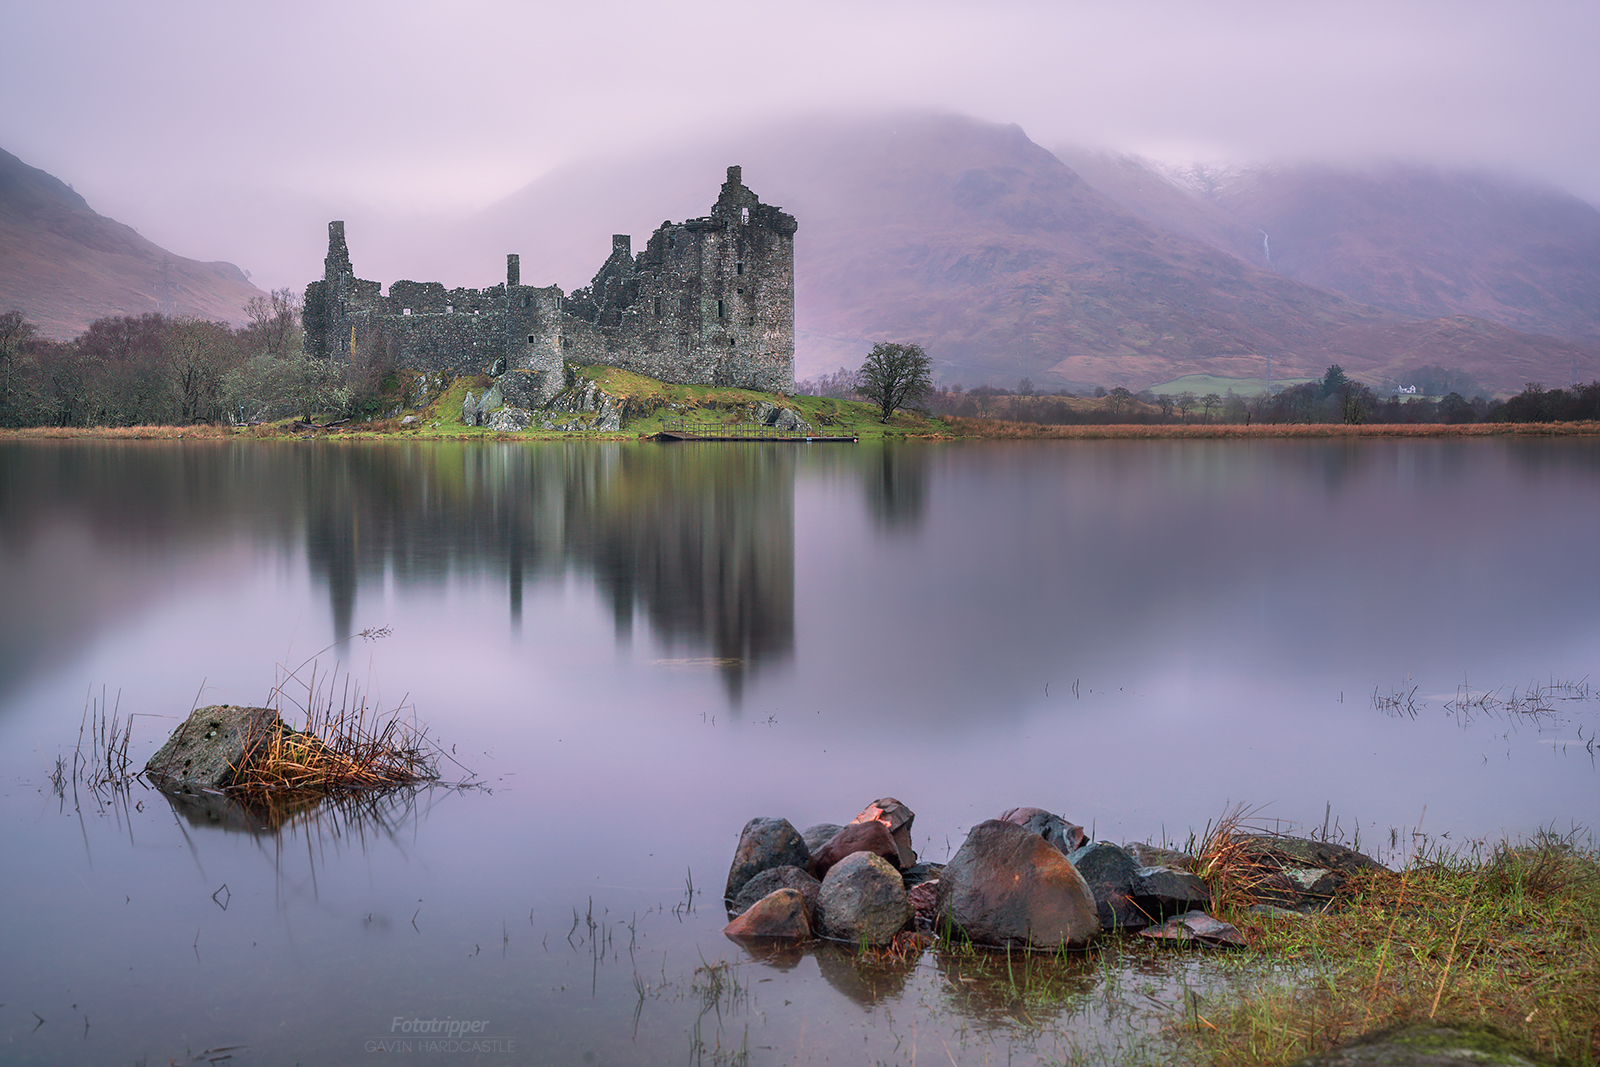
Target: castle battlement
(709, 301)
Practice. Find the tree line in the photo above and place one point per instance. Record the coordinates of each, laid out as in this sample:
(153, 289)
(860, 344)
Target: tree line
(1335, 398)
(153, 369)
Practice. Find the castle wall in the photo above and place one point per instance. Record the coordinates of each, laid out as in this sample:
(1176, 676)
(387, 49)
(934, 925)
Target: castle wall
(709, 301)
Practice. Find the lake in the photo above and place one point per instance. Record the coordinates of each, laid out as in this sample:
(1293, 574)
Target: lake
(626, 651)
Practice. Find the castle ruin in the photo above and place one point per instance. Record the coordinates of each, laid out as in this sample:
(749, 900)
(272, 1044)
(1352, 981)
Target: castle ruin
(710, 301)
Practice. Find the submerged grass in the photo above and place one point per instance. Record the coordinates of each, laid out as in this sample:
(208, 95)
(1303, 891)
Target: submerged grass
(1506, 937)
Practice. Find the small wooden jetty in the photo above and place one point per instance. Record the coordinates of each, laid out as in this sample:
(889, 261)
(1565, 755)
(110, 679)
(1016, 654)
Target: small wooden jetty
(769, 437)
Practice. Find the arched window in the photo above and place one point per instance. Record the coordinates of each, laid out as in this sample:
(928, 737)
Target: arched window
(744, 216)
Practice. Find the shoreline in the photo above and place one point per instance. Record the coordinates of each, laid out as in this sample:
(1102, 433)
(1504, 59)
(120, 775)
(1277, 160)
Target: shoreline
(958, 429)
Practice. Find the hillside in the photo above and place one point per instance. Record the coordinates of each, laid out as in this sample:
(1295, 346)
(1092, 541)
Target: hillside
(63, 265)
(1000, 259)
(1421, 242)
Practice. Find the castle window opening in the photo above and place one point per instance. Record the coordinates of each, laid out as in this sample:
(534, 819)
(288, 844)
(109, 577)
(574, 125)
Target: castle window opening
(407, 311)
(738, 268)
(532, 339)
(658, 307)
(524, 299)
(449, 309)
(744, 216)
(719, 309)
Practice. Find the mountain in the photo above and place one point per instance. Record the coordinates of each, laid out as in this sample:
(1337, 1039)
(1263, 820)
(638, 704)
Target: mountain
(1004, 262)
(1421, 242)
(63, 265)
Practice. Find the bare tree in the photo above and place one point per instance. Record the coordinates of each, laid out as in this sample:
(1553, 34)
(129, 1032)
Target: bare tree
(895, 375)
(15, 333)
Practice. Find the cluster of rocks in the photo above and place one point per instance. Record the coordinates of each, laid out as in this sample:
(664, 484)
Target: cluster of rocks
(511, 405)
(780, 418)
(1029, 877)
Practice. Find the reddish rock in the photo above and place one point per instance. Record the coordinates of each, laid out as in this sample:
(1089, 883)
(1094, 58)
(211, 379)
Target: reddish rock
(871, 836)
(924, 898)
(898, 818)
(1007, 885)
(781, 913)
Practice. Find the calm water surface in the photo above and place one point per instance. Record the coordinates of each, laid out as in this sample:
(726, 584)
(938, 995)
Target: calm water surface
(633, 649)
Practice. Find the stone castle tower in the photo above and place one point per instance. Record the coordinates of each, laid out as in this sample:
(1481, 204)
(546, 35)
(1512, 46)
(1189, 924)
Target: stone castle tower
(709, 301)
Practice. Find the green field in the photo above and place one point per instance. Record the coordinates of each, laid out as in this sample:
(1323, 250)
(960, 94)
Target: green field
(1201, 384)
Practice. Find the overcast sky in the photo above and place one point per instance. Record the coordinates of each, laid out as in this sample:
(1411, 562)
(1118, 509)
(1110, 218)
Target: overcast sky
(216, 128)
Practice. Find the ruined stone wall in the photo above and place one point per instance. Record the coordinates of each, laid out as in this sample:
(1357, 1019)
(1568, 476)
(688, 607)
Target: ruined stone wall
(709, 301)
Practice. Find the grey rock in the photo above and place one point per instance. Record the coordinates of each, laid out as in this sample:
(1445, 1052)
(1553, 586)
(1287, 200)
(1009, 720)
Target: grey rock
(509, 420)
(1161, 892)
(773, 879)
(1055, 829)
(1155, 856)
(862, 900)
(469, 410)
(207, 748)
(764, 844)
(1111, 873)
(1007, 885)
(1196, 926)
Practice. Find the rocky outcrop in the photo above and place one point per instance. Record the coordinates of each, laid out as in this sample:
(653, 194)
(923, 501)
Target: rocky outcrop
(898, 819)
(1007, 885)
(862, 900)
(779, 418)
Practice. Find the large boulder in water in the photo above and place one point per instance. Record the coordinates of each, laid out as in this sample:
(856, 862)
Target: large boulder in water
(1055, 829)
(764, 844)
(862, 900)
(208, 748)
(1007, 885)
(870, 837)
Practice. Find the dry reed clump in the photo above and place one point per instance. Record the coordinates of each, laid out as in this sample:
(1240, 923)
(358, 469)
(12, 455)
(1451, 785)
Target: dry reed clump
(342, 748)
(995, 429)
(122, 433)
(1507, 937)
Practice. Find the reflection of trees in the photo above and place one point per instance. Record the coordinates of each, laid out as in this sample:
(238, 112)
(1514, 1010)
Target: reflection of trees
(896, 483)
(701, 540)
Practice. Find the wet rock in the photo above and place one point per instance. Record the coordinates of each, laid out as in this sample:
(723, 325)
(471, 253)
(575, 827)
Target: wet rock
(924, 900)
(1007, 885)
(1196, 926)
(1111, 874)
(1064, 835)
(1303, 852)
(776, 878)
(781, 913)
(1149, 855)
(898, 818)
(208, 747)
(857, 837)
(816, 836)
(1161, 892)
(764, 844)
(921, 872)
(1427, 1045)
(862, 900)
(1295, 872)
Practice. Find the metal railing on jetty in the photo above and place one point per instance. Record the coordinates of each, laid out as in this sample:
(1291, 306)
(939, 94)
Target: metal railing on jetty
(680, 429)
